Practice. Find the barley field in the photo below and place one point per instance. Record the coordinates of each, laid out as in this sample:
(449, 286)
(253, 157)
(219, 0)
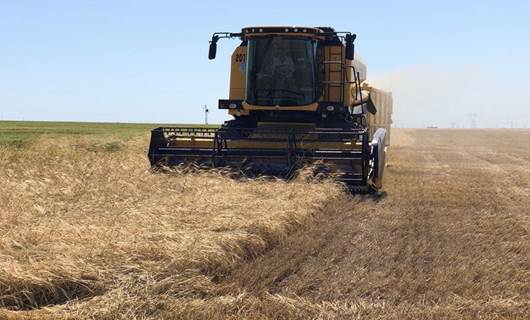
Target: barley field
(87, 231)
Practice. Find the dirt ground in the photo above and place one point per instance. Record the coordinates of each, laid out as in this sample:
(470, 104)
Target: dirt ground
(92, 234)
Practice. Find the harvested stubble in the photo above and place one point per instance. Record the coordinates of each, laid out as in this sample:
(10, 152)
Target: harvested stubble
(89, 232)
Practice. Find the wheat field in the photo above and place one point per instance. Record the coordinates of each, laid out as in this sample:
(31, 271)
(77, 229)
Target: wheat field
(87, 231)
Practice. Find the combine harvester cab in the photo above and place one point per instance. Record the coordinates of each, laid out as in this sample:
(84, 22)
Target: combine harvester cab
(298, 97)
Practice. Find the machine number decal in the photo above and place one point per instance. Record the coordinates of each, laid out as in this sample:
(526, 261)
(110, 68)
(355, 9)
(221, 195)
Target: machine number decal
(241, 57)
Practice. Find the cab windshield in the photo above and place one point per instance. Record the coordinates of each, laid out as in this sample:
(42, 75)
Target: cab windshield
(281, 71)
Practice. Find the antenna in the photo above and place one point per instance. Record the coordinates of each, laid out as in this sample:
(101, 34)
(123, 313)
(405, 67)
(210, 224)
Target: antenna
(205, 108)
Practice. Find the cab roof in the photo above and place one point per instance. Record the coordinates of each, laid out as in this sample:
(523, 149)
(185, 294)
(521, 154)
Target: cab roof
(291, 30)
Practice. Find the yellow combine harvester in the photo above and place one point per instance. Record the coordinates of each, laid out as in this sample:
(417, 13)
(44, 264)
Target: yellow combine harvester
(298, 97)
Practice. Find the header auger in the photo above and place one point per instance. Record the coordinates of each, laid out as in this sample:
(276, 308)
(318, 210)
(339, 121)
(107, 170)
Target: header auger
(298, 96)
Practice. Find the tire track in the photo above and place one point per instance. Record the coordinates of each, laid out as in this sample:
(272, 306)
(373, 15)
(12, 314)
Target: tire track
(442, 238)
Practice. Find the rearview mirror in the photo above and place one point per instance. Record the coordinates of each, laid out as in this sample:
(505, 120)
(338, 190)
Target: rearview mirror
(349, 46)
(213, 48)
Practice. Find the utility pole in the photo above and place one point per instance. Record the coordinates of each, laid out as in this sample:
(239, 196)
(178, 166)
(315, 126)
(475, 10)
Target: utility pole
(205, 108)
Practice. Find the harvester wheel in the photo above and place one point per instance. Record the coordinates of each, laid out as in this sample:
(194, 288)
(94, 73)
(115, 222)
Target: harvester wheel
(377, 160)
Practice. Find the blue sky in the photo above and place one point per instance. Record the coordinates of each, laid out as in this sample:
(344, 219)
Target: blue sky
(146, 61)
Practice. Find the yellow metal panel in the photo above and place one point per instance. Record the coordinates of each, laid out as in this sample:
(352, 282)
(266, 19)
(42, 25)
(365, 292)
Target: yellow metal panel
(383, 117)
(192, 142)
(237, 74)
(310, 107)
